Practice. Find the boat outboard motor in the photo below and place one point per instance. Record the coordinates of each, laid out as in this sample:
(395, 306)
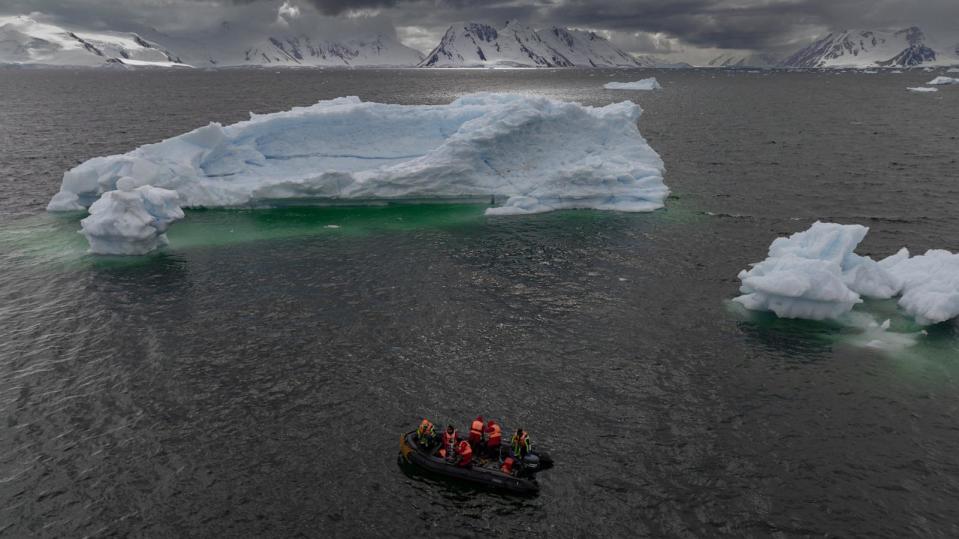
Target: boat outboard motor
(530, 463)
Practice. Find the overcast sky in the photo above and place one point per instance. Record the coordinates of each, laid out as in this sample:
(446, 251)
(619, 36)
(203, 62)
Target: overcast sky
(670, 28)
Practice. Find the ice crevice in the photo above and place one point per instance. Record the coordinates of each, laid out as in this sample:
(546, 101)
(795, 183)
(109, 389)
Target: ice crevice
(537, 154)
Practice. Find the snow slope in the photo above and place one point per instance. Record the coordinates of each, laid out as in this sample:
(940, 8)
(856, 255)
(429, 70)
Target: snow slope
(231, 46)
(536, 153)
(816, 274)
(731, 59)
(24, 40)
(873, 48)
(481, 45)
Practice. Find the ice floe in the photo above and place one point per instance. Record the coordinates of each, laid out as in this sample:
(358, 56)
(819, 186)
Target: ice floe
(537, 154)
(923, 89)
(941, 81)
(930, 284)
(815, 274)
(644, 84)
(131, 220)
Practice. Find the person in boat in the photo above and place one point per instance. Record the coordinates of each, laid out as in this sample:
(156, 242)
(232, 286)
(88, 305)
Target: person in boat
(464, 454)
(493, 437)
(447, 449)
(507, 466)
(476, 432)
(426, 433)
(521, 445)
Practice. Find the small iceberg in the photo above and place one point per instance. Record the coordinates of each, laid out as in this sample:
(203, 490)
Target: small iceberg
(816, 275)
(923, 89)
(537, 154)
(131, 220)
(644, 84)
(941, 81)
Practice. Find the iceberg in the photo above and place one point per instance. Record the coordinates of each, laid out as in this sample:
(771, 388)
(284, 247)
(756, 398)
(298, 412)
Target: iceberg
(537, 154)
(795, 287)
(939, 81)
(930, 284)
(644, 84)
(923, 89)
(131, 220)
(815, 274)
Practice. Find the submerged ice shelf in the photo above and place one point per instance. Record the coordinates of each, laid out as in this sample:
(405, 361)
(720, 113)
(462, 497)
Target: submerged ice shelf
(815, 274)
(537, 154)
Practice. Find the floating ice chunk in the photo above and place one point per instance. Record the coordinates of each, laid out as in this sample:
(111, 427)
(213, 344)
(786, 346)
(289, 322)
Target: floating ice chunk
(796, 287)
(537, 153)
(644, 84)
(815, 274)
(938, 81)
(930, 290)
(822, 241)
(953, 70)
(131, 220)
(923, 89)
(835, 243)
(868, 278)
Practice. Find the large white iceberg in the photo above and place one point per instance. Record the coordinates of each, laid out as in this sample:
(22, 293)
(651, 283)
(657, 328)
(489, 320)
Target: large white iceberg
(643, 84)
(816, 274)
(536, 153)
(131, 220)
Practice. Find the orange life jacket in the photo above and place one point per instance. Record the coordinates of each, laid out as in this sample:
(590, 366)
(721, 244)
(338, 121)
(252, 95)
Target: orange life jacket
(476, 431)
(494, 435)
(507, 466)
(465, 451)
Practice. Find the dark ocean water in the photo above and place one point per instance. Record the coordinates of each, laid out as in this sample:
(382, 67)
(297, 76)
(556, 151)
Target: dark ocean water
(254, 378)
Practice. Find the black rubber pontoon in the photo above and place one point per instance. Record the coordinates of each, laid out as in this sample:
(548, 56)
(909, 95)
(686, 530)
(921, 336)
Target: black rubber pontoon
(489, 477)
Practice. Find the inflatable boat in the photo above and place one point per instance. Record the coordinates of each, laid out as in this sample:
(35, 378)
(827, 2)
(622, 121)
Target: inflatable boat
(482, 472)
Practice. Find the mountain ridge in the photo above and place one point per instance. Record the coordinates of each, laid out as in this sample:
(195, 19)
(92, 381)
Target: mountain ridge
(474, 44)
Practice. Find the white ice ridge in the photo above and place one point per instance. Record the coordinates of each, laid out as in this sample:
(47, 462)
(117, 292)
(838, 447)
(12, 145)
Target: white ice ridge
(538, 153)
(923, 89)
(131, 220)
(643, 84)
(816, 275)
(941, 81)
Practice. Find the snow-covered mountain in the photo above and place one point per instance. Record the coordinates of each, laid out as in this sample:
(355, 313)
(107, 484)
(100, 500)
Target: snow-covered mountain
(744, 60)
(481, 45)
(229, 46)
(873, 48)
(24, 40)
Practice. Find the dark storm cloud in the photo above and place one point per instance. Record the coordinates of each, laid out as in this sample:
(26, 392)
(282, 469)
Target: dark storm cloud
(649, 25)
(336, 7)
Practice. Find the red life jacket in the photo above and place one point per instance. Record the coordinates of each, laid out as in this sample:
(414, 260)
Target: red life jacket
(449, 438)
(507, 466)
(465, 452)
(494, 435)
(476, 431)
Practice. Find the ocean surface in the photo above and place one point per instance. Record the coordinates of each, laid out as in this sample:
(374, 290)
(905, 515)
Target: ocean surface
(254, 378)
